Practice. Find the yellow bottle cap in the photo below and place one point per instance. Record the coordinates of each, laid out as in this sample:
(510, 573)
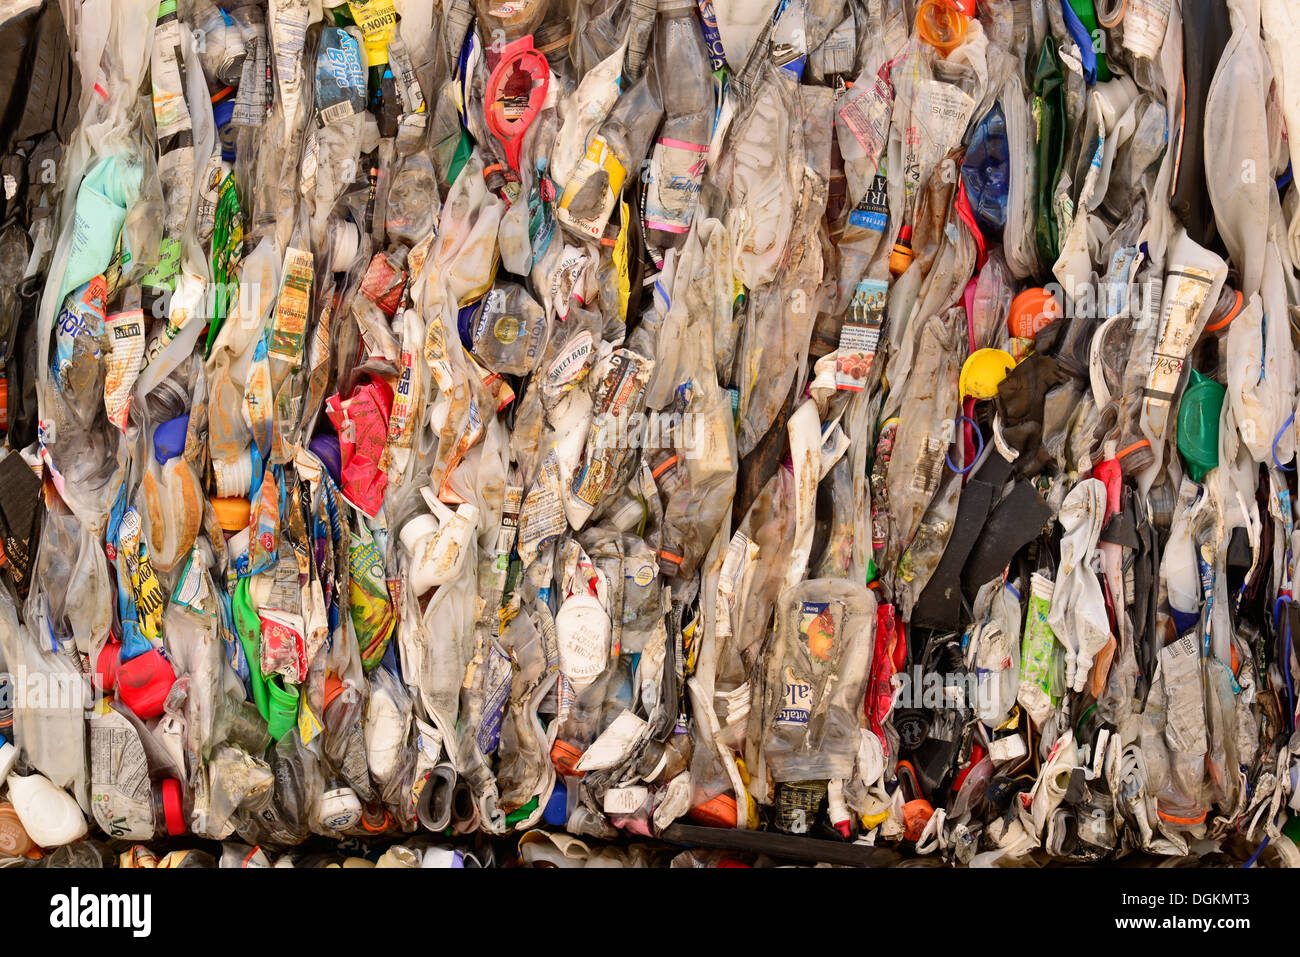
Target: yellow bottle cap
(982, 372)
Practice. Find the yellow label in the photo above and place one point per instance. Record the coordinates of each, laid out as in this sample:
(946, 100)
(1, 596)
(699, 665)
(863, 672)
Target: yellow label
(599, 157)
(293, 307)
(376, 19)
(308, 725)
(620, 262)
(149, 597)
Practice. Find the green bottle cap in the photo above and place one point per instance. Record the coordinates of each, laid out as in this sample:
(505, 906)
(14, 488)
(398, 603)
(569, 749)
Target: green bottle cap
(166, 7)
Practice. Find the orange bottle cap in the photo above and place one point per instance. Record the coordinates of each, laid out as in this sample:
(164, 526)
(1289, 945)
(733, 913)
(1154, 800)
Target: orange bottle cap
(916, 815)
(718, 811)
(14, 841)
(565, 757)
(232, 513)
(941, 25)
(1031, 312)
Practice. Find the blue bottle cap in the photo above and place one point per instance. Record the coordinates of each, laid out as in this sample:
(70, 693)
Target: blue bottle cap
(557, 808)
(169, 438)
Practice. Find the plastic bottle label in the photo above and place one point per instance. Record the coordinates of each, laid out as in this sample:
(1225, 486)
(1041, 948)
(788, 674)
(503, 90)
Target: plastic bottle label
(1184, 294)
(675, 184)
(590, 220)
(860, 335)
(867, 115)
(292, 308)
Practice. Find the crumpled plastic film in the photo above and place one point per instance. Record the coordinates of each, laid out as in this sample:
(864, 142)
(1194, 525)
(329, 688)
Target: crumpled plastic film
(551, 431)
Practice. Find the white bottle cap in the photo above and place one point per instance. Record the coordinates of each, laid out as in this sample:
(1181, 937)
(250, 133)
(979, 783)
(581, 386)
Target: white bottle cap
(418, 528)
(340, 809)
(582, 629)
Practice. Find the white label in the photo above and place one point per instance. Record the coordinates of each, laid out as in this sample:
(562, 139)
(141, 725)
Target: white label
(625, 800)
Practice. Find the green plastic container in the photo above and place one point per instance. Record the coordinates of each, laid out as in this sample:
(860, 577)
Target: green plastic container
(283, 705)
(1198, 425)
(249, 630)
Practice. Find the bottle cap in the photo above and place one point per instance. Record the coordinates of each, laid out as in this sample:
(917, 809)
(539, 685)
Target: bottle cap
(1032, 311)
(143, 683)
(939, 24)
(14, 841)
(232, 512)
(900, 257)
(340, 809)
(8, 758)
(982, 371)
(173, 806)
(717, 811)
(169, 438)
(333, 688)
(326, 448)
(222, 114)
(1225, 310)
(557, 805)
(565, 757)
(916, 815)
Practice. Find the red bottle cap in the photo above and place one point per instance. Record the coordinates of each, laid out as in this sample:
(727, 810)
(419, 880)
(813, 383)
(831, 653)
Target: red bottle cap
(143, 683)
(173, 806)
(106, 665)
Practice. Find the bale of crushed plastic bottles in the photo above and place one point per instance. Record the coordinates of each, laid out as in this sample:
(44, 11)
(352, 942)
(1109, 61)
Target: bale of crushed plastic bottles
(560, 431)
